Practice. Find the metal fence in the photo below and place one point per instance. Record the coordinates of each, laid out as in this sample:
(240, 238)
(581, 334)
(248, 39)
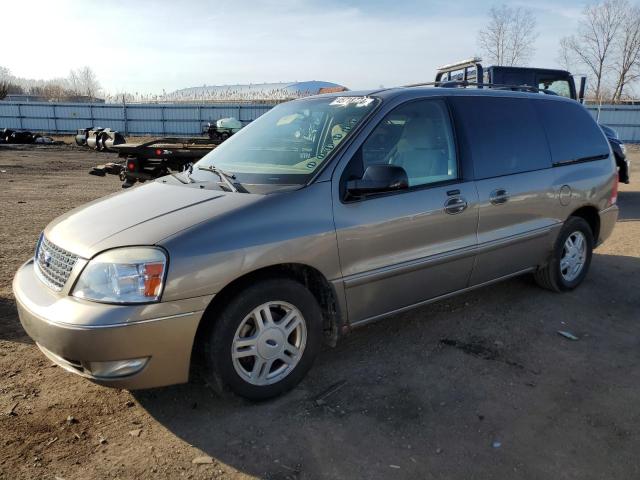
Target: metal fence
(131, 119)
(188, 119)
(624, 119)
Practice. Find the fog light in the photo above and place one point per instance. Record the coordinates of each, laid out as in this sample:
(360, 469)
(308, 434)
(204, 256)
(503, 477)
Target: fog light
(117, 368)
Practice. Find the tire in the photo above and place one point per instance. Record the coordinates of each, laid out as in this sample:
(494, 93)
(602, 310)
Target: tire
(261, 348)
(556, 278)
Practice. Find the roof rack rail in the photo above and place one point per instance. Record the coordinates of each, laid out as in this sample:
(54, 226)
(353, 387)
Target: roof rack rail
(497, 86)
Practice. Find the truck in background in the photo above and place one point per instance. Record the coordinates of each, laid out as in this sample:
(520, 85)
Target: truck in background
(471, 72)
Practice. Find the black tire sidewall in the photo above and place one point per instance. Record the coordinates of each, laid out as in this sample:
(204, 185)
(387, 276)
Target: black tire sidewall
(572, 225)
(218, 347)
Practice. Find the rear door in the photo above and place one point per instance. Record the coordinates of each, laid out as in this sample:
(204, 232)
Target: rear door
(402, 248)
(518, 205)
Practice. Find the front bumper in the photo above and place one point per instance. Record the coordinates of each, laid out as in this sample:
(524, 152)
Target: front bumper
(73, 332)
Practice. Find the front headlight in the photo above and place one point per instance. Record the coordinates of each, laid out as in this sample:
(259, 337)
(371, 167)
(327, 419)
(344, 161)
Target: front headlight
(123, 275)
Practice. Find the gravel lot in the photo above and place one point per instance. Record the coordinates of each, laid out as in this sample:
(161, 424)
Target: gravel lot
(480, 386)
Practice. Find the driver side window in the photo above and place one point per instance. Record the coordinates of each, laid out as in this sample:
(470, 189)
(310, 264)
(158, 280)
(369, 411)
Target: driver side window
(418, 137)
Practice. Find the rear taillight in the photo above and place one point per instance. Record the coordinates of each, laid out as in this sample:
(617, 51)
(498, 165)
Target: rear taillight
(131, 166)
(614, 192)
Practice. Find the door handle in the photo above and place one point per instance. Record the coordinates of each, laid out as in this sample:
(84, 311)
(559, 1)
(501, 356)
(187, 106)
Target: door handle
(455, 205)
(499, 196)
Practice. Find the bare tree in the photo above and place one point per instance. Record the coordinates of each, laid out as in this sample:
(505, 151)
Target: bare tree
(509, 37)
(8, 83)
(627, 52)
(73, 82)
(5, 73)
(4, 82)
(566, 57)
(84, 82)
(594, 42)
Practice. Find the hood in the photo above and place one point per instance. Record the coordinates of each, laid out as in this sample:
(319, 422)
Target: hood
(140, 216)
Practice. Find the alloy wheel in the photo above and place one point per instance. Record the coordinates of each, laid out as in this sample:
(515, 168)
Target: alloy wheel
(269, 343)
(574, 254)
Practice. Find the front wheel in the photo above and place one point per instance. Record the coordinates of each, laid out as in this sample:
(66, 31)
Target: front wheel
(571, 257)
(265, 340)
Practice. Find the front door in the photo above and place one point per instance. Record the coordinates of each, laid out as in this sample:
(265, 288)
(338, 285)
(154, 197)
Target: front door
(399, 249)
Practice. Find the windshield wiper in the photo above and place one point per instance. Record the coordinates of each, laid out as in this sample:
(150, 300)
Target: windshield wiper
(224, 176)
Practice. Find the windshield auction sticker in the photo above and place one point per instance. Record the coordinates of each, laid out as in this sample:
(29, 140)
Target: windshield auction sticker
(357, 101)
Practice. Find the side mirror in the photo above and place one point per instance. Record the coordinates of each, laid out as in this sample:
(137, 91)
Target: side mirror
(378, 179)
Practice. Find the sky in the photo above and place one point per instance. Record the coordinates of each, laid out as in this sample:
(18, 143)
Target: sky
(149, 46)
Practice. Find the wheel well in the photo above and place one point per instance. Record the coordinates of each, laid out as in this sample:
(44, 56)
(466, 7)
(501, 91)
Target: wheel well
(590, 215)
(304, 274)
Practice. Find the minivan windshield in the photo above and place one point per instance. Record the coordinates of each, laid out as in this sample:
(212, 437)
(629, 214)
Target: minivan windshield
(286, 145)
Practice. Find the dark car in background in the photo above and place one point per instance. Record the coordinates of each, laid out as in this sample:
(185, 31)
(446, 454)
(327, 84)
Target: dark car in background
(619, 151)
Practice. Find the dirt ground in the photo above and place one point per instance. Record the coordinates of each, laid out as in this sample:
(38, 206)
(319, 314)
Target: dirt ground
(480, 386)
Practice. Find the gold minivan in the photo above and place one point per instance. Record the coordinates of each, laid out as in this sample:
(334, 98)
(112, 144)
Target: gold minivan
(324, 214)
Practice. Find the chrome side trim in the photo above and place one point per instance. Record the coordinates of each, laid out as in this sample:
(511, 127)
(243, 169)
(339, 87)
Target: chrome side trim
(73, 326)
(609, 208)
(513, 239)
(365, 321)
(381, 273)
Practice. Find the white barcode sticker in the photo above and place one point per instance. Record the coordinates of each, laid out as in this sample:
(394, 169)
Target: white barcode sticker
(357, 101)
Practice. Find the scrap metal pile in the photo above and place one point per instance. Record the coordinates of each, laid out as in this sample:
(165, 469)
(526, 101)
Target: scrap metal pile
(98, 138)
(21, 137)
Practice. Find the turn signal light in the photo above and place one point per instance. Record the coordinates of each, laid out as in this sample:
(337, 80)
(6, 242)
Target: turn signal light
(153, 273)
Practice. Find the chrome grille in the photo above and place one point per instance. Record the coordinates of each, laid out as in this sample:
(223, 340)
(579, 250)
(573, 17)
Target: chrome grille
(53, 264)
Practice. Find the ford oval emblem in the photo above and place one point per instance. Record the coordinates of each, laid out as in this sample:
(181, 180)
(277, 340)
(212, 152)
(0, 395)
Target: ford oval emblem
(46, 259)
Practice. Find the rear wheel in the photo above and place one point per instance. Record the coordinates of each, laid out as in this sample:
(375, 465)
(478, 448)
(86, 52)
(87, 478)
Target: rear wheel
(265, 339)
(571, 258)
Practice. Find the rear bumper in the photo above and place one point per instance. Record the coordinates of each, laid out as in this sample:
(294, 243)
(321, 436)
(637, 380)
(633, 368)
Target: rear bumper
(608, 219)
(74, 333)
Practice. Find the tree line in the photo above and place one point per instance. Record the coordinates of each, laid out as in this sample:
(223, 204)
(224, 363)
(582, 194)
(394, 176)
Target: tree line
(605, 45)
(82, 82)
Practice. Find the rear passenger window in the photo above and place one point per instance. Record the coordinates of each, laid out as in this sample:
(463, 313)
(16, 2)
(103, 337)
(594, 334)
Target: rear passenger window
(504, 135)
(573, 134)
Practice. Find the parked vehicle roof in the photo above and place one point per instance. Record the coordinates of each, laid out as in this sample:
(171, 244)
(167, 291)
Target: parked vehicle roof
(409, 92)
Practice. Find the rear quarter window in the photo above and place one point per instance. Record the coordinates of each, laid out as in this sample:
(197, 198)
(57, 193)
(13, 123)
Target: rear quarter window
(504, 135)
(573, 134)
